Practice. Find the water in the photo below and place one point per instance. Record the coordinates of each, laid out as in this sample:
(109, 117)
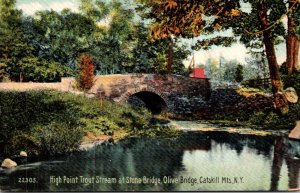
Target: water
(229, 161)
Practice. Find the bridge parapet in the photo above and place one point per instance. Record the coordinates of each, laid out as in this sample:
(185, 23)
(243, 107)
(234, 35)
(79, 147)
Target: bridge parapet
(119, 87)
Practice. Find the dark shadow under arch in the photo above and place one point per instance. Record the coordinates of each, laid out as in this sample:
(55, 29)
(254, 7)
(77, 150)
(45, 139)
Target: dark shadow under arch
(150, 100)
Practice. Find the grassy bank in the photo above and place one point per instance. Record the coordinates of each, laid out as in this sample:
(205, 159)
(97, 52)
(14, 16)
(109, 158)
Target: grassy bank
(242, 107)
(270, 120)
(51, 122)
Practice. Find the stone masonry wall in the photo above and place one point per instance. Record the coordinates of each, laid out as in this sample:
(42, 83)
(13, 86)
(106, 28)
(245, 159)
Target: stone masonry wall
(120, 87)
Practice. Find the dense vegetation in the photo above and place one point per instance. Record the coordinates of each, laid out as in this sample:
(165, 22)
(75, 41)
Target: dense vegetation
(47, 45)
(268, 119)
(116, 34)
(50, 122)
(265, 120)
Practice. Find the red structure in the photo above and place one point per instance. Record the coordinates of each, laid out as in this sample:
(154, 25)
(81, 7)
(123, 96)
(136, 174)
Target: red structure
(198, 73)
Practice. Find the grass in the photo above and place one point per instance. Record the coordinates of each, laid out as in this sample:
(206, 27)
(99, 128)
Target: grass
(52, 122)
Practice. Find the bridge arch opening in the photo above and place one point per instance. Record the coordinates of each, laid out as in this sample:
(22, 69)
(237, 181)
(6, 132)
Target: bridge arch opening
(152, 101)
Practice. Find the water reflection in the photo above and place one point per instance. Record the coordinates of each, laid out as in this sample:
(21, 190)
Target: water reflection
(264, 163)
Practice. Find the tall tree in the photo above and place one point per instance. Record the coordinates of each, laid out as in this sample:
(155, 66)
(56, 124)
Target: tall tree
(62, 37)
(152, 56)
(13, 45)
(268, 39)
(186, 18)
(292, 40)
(262, 24)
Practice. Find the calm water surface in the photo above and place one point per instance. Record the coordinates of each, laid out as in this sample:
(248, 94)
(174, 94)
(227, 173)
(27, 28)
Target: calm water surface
(194, 162)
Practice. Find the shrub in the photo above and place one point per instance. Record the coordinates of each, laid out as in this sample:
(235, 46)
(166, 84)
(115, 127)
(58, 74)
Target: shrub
(3, 73)
(53, 122)
(100, 125)
(57, 138)
(239, 73)
(38, 70)
(86, 68)
(292, 81)
(257, 118)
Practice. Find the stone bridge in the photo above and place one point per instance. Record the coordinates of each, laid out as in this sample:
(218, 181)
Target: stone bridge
(154, 91)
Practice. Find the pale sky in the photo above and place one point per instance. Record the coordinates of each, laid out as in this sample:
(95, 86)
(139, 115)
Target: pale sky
(29, 7)
(236, 51)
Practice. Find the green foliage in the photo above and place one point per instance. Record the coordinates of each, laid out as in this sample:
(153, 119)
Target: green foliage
(106, 29)
(57, 138)
(283, 69)
(100, 125)
(47, 139)
(12, 39)
(158, 131)
(257, 118)
(3, 73)
(292, 81)
(239, 73)
(61, 36)
(38, 70)
(223, 69)
(52, 122)
(152, 56)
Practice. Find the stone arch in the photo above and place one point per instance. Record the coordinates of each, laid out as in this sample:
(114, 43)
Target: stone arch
(159, 96)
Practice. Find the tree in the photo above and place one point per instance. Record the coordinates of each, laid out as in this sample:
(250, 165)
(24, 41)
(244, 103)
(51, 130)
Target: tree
(187, 18)
(95, 10)
(211, 68)
(239, 73)
(263, 25)
(86, 68)
(39, 70)
(13, 45)
(175, 18)
(60, 37)
(152, 56)
(292, 40)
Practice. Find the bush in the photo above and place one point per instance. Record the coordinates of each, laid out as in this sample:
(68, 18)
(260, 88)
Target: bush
(50, 139)
(57, 138)
(292, 81)
(3, 73)
(100, 125)
(53, 122)
(37, 70)
(257, 118)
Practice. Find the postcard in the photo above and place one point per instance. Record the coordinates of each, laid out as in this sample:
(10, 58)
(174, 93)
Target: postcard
(141, 95)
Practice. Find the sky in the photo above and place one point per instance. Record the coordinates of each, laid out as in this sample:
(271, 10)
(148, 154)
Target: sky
(29, 7)
(236, 51)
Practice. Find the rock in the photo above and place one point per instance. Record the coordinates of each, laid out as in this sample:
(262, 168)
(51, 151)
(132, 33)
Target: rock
(291, 95)
(295, 133)
(8, 163)
(23, 154)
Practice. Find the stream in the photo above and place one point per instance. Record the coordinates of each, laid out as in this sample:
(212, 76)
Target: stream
(204, 158)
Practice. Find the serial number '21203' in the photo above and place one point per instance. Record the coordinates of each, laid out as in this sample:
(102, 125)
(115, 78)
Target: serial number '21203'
(27, 180)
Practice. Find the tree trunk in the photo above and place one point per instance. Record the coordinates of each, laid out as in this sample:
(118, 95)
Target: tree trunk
(292, 44)
(280, 101)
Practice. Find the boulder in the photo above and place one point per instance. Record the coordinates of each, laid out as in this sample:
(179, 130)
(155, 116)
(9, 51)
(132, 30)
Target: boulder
(291, 95)
(23, 154)
(8, 163)
(295, 133)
